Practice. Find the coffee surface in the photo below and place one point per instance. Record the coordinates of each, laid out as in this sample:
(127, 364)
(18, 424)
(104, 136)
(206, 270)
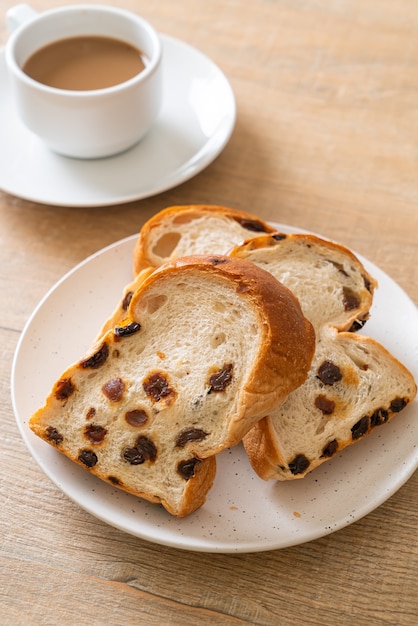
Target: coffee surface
(84, 63)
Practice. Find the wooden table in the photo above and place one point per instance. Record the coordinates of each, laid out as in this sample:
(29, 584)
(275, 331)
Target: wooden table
(326, 140)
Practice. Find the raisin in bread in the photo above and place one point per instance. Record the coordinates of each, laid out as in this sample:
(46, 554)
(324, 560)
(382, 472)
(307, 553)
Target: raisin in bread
(209, 346)
(181, 231)
(121, 310)
(193, 229)
(353, 385)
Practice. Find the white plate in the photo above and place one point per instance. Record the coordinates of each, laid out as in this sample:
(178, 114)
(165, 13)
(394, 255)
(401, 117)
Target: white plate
(196, 121)
(242, 513)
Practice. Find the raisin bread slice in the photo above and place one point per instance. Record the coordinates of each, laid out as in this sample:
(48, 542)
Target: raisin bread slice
(332, 285)
(193, 229)
(210, 346)
(353, 385)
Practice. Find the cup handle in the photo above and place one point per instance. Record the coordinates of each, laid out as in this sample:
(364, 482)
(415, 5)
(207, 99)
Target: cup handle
(18, 15)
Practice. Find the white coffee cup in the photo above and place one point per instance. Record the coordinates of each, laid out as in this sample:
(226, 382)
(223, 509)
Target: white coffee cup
(84, 124)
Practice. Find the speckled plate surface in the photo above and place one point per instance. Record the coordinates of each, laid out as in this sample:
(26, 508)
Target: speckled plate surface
(242, 512)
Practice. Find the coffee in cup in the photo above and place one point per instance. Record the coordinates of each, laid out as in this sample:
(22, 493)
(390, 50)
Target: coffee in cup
(85, 62)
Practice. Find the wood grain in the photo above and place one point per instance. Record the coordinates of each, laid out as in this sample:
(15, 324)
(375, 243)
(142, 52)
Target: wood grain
(326, 140)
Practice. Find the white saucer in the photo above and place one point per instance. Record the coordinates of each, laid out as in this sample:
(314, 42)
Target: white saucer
(195, 123)
(242, 513)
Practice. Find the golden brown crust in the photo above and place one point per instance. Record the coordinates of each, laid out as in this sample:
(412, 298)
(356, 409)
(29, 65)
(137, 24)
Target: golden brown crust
(197, 487)
(260, 446)
(183, 213)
